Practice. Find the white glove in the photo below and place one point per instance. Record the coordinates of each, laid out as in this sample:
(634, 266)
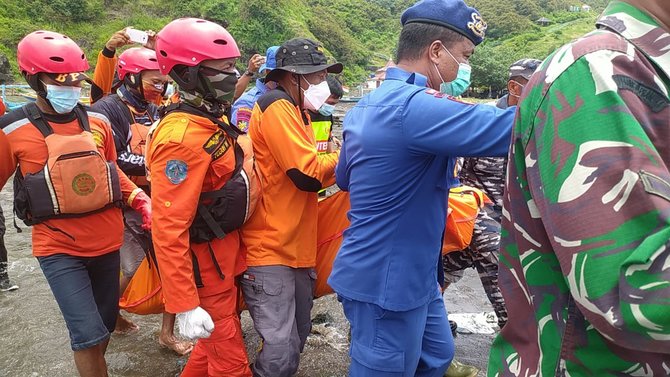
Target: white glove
(195, 323)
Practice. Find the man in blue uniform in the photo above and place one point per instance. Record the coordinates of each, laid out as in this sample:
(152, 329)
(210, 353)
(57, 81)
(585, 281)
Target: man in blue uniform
(241, 111)
(397, 161)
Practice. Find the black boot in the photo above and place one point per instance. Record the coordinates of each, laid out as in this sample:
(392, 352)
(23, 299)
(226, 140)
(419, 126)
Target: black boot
(453, 325)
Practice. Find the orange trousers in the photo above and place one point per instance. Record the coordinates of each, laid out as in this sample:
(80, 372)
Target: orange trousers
(224, 352)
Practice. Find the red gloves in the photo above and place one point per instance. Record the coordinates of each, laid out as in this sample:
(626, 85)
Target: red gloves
(142, 204)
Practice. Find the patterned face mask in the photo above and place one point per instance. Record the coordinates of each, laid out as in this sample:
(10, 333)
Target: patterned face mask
(214, 92)
(217, 85)
(153, 93)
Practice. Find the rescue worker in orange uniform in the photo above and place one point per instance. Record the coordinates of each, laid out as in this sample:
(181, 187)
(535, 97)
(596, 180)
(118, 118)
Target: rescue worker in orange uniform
(68, 186)
(281, 235)
(132, 110)
(203, 189)
(105, 73)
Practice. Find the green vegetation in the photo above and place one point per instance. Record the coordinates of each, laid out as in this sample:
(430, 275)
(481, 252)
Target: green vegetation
(359, 33)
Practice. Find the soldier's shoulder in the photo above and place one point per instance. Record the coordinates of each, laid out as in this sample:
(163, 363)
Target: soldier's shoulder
(598, 42)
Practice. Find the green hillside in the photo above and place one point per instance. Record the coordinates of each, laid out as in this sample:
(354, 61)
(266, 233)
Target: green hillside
(359, 33)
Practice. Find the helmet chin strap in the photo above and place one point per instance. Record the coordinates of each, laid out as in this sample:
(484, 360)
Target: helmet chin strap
(36, 84)
(300, 95)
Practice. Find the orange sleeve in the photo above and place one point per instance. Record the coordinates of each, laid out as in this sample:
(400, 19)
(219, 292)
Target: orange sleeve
(2, 107)
(103, 76)
(8, 161)
(292, 145)
(102, 134)
(177, 175)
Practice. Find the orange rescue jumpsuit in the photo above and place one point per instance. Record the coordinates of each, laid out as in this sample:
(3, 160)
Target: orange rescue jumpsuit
(181, 166)
(105, 69)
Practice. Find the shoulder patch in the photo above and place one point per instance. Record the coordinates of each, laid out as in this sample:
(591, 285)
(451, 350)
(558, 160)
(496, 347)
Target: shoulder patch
(217, 145)
(243, 118)
(271, 97)
(98, 138)
(437, 94)
(176, 171)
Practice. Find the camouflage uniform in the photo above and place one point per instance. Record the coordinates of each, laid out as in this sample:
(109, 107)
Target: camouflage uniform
(487, 174)
(585, 263)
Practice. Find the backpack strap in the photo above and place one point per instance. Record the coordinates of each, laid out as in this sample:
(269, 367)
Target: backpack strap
(239, 164)
(82, 118)
(35, 117)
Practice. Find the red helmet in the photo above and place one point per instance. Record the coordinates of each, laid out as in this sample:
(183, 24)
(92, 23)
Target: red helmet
(190, 41)
(136, 60)
(49, 52)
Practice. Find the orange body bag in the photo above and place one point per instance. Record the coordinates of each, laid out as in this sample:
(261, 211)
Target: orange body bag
(144, 294)
(464, 205)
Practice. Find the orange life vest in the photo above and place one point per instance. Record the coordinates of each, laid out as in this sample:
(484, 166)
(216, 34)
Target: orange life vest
(138, 145)
(76, 179)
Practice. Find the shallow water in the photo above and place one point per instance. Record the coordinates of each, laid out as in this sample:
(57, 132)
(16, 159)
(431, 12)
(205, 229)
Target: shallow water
(34, 340)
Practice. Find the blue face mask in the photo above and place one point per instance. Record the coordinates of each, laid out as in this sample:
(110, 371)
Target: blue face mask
(326, 109)
(461, 83)
(63, 98)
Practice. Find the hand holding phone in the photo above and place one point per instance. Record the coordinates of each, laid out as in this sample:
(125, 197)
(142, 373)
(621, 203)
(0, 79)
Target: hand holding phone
(137, 36)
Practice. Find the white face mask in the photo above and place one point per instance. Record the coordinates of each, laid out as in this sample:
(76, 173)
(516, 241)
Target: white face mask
(522, 86)
(315, 96)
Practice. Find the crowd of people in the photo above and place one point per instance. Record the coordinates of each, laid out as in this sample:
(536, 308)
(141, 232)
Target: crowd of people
(220, 188)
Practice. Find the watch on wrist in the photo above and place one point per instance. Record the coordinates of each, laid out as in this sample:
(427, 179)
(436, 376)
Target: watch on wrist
(249, 73)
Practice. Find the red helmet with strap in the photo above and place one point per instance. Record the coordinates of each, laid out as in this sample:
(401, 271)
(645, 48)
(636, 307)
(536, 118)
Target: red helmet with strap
(135, 60)
(190, 41)
(50, 52)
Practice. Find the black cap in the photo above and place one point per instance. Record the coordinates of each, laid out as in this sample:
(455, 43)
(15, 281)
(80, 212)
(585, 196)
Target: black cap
(301, 56)
(524, 68)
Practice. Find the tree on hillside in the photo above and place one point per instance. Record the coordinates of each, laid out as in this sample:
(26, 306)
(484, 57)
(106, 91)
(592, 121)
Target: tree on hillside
(490, 67)
(58, 11)
(259, 25)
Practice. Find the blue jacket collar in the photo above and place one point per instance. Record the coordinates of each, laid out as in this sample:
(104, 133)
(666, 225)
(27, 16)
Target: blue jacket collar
(261, 86)
(395, 73)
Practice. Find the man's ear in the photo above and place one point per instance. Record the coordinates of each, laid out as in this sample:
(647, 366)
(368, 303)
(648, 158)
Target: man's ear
(434, 51)
(294, 79)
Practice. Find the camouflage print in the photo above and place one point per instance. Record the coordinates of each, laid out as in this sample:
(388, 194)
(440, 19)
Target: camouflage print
(482, 254)
(584, 261)
(488, 175)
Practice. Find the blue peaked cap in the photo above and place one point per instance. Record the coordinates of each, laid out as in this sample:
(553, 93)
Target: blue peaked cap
(270, 59)
(452, 14)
